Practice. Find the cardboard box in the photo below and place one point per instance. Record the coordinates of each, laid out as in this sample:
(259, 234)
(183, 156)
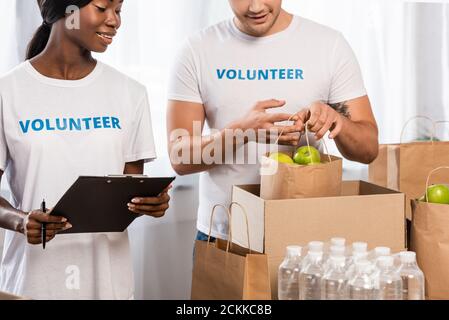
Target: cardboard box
(364, 212)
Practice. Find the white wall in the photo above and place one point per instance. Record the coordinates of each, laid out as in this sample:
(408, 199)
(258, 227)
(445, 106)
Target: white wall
(162, 249)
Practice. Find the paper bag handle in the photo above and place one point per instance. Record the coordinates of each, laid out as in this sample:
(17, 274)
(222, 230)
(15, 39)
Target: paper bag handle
(307, 137)
(308, 142)
(415, 118)
(212, 219)
(246, 220)
(429, 176)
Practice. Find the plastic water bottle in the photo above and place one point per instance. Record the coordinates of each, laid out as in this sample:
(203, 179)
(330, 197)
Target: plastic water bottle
(350, 265)
(377, 253)
(334, 242)
(361, 286)
(389, 281)
(313, 246)
(288, 277)
(359, 247)
(380, 252)
(334, 251)
(338, 242)
(310, 277)
(357, 250)
(412, 277)
(334, 285)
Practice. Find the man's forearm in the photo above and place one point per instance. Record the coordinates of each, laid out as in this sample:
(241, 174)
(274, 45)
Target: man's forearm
(205, 152)
(11, 218)
(358, 141)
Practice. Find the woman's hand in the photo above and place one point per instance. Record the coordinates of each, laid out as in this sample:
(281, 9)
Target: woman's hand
(32, 226)
(153, 207)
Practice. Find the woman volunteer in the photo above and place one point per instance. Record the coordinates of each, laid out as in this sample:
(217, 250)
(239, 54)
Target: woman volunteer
(63, 114)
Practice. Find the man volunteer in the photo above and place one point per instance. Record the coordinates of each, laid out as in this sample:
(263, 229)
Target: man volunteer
(264, 54)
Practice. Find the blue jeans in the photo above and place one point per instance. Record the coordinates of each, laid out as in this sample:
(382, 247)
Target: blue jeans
(200, 236)
(203, 237)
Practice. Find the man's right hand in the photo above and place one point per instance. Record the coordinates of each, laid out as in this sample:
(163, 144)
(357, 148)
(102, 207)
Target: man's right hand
(32, 226)
(259, 120)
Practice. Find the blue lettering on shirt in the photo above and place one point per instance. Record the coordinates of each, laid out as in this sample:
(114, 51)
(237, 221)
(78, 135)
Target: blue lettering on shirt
(69, 124)
(260, 74)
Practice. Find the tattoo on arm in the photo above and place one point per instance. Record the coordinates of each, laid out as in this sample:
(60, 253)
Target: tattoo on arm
(341, 108)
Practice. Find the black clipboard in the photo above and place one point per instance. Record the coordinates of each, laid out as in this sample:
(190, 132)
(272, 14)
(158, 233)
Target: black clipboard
(99, 204)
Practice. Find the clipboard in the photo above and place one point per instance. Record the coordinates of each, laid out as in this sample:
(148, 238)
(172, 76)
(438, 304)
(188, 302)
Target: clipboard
(99, 204)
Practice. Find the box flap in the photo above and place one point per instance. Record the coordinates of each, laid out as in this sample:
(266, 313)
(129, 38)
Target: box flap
(255, 208)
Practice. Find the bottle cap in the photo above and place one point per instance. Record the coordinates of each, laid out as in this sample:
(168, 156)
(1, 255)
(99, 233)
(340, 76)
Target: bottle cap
(337, 251)
(382, 251)
(359, 247)
(407, 256)
(338, 242)
(293, 251)
(316, 246)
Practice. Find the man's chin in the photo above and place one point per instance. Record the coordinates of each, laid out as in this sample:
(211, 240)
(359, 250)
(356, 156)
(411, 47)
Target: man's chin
(260, 30)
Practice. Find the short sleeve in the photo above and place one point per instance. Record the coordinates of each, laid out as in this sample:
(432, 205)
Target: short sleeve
(140, 139)
(184, 79)
(346, 78)
(3, 145)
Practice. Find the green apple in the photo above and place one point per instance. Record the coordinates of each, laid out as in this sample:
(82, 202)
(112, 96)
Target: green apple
(281, 157)
(438, 193)
(307, 156)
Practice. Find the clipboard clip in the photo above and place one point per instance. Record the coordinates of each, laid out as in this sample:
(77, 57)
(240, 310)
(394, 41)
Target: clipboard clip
(126, 176)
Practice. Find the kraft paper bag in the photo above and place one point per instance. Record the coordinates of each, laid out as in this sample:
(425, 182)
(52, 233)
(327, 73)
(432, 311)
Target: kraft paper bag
(430, 241)
(416, 161)
(229, 275)
(405, 167)
(384, 171)
(289, 181)
(226, 271)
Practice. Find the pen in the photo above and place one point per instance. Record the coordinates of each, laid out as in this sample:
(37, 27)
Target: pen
(44, 225)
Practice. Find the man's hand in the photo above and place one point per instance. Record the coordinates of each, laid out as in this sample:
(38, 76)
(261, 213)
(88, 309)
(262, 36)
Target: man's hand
(153, 207)
(259, 119)
(32, 226)
(321, 118)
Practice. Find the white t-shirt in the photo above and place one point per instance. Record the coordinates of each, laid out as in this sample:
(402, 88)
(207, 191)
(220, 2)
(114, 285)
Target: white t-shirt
(51, 132)
(228, 71)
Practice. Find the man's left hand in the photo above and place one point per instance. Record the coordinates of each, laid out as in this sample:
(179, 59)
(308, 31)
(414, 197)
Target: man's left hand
(322, 118)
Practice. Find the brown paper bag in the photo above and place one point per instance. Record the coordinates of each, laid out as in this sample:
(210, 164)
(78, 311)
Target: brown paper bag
(384, 171)
(289, 181)
(405, 166)
(430, 241)
(225, 271)
(416, 161)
